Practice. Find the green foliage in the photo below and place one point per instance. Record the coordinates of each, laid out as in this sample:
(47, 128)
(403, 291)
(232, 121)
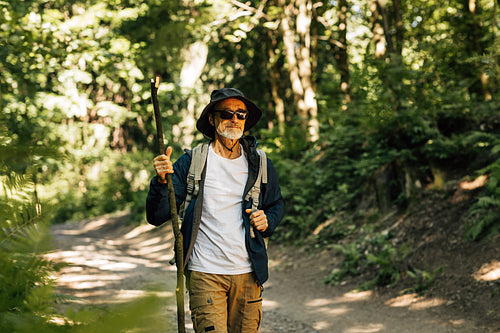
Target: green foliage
(76, 79)
(26, 291)
(350, 265)
(423, 279)
(375, 253)
(412, 113)
(117, 182)
(484, 214)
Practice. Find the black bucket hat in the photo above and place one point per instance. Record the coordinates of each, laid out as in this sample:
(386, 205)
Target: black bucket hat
(203, 124)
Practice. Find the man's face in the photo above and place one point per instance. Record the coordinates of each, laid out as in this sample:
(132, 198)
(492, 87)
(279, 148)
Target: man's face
(229, 128)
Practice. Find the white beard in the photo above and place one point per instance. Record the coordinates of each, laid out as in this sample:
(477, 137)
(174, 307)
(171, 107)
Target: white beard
(231, 133)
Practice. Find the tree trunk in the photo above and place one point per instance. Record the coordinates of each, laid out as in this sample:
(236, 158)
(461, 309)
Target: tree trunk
(377, 30)
(314, 50)
(342, 55)
(385, 21)
(494, 28)
(195, 58)
(399, 26)
(475, 47)
(393, 55)
(274, 78)
(297, 42)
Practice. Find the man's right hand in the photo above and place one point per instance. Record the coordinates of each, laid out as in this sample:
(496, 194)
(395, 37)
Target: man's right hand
(163, 165)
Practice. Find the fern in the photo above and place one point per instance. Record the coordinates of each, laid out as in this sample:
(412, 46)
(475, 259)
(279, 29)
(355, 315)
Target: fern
(484, 214)
(423, 279)
(26, 291)
(374, 252)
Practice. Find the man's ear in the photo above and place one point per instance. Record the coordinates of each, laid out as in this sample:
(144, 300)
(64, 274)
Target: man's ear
(211, 119)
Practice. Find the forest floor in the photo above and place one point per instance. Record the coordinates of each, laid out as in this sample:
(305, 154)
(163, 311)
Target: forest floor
(110, 262)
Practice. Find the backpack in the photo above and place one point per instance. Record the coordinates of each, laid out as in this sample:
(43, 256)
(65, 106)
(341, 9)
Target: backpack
(198, 159)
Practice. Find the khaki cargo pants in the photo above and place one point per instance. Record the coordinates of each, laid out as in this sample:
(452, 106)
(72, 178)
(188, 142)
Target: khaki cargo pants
(224, 303)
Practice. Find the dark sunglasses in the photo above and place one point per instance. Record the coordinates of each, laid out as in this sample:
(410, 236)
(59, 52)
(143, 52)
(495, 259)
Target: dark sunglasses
(227, 114)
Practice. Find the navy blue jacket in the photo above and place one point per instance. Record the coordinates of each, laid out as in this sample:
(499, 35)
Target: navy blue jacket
(271, 202)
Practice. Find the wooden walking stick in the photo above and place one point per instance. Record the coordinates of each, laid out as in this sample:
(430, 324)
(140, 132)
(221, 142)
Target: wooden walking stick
(179, 257)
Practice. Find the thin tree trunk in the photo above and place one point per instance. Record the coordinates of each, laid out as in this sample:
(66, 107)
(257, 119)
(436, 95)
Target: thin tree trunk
(195, 57)
(342, 56)
(304, 20)
(399, 26)
(297, 47)
(476, 47)
(385, 21)
(274, 77)
(496, 83)
(377, 30)
(293, 68)
(314, 50)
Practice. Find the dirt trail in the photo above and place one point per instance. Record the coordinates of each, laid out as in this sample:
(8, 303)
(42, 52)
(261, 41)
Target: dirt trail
(111, 263)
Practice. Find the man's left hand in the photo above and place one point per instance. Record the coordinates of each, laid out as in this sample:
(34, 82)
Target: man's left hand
(258, 219)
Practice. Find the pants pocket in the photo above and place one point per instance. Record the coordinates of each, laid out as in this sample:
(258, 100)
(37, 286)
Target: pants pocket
(201, 307)
(253, 315)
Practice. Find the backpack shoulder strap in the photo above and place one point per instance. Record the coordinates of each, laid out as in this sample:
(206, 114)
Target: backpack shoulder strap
(263, 165)
(254, 192)
(198, 159)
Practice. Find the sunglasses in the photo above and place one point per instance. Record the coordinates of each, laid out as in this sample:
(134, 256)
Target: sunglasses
(228, 114)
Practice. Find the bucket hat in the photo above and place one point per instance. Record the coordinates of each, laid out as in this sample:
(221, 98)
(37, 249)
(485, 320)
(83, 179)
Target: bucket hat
(203, 124)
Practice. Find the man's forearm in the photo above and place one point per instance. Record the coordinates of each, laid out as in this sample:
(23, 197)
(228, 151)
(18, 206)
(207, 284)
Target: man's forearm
(157, 203)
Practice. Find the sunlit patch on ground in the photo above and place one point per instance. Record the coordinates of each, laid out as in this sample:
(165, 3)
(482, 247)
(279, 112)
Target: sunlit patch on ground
(97, 263)
(138, 231)
(415, 302)
(476, 183)
(74, 281)
(458, 322)
(346, 298)
(337, 306)
(320, 302)
(463, 193)
(357, 296)
(329, 307)
(267, 304)
(489, 271)
(131, 294)
(370, 328)
(321, 325)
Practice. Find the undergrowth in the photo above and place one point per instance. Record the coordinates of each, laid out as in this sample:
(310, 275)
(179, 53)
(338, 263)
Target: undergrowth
(484, 214)
(423, 279)
(373, 252)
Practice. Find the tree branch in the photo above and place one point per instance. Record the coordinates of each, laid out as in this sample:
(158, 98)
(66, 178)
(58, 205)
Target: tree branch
(258, 12)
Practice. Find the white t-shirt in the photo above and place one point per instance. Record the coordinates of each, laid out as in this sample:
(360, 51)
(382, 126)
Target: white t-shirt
(220, 243)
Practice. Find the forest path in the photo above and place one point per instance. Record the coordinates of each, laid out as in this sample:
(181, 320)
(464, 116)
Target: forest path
(110, 262)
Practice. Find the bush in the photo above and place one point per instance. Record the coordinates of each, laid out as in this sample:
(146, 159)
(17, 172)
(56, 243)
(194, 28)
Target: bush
(373, 252)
